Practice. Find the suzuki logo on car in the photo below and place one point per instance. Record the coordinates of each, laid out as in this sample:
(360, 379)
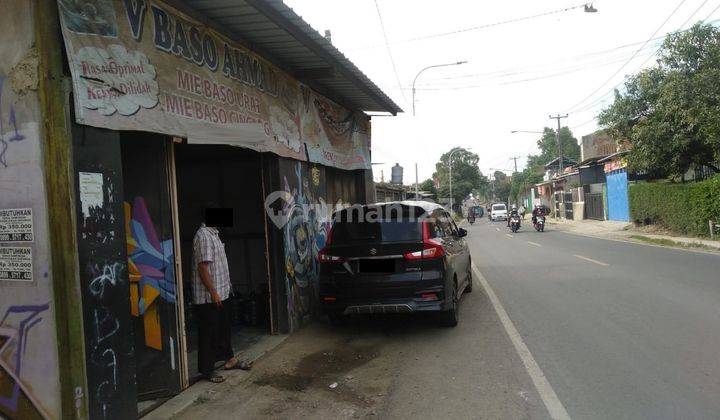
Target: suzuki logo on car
(373, 251)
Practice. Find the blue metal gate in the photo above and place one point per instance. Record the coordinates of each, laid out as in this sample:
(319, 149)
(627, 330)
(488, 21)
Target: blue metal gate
(617, 196)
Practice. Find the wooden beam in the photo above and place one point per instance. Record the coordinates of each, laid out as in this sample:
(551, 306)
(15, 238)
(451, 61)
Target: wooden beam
(54, 92)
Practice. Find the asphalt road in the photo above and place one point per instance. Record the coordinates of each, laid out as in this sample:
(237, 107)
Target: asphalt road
(620, 330)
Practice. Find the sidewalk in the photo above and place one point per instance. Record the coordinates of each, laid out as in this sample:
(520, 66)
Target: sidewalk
(609, 229)
(203, 391)
(319, 372)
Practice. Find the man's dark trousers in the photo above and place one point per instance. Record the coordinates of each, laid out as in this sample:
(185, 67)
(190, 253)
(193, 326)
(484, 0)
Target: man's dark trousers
(214, 335)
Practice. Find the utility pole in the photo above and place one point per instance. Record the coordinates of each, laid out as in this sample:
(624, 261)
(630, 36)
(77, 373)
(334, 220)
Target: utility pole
(417, 193)
(515, 158)
(492, 187)
(558, 117)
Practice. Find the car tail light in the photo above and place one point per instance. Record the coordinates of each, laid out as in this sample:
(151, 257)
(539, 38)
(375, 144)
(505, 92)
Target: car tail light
(428, 296)
(329, 298)
(328, 237)
(432, 248)
(326, 258)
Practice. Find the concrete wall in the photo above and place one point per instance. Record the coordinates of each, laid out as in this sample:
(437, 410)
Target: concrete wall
(29, 383)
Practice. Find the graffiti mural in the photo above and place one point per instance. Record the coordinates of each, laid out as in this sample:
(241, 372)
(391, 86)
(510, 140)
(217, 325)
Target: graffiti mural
(304, 235)
(150, 268)
(16, 399)
(6, 140)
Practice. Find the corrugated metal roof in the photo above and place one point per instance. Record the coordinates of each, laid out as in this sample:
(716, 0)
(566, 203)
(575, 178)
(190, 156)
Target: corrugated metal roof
(273, 30)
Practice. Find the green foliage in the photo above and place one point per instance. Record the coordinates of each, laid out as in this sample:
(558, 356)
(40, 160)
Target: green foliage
(466, 176)
(429, 186)
(669, 113)
(682, 208)
(521, 181)
(549, 148)
(501, 187)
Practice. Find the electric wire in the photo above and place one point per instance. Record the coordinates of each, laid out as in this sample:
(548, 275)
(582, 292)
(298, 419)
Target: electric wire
(484, 26)
(596, 90)
(389, 51)
(599, 100)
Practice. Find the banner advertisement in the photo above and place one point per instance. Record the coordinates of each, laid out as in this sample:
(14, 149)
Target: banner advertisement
(142, 65)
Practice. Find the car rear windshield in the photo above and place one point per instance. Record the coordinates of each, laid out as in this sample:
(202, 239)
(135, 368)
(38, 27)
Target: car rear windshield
(499, 207)
(377, 224)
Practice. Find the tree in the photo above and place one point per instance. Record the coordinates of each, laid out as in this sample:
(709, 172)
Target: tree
(521, 180)
(501, 186)
(429, 186)
(466, 176)
(549, 148)
(669, 113)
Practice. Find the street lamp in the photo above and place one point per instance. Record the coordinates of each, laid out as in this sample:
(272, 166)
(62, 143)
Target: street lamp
(526, 131)
(450, 165)
(426, 68)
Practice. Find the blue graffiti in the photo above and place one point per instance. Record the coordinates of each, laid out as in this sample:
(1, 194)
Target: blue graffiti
(12, 120)
(32, 318)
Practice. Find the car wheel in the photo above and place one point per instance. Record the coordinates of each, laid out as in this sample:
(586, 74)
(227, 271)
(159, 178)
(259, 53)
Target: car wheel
(469, 286)
(450, 317)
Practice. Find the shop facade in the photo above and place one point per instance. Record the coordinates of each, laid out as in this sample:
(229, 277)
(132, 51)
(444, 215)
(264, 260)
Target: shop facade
(141, 117)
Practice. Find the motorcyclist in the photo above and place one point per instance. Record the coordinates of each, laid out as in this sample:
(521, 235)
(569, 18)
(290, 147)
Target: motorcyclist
(537, 211)
(513, 212)
(471, 216)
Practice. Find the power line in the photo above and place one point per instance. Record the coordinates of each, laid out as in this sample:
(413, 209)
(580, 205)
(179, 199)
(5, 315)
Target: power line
(600, 99)
(485, 26)
(512, 82)
(630, 59)
(693, 14)
(389, 51)
(711, 13)
(518, 72)
(583, 124)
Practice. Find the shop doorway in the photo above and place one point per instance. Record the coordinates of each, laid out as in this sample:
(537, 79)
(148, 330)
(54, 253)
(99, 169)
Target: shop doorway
(147, 212)
(128, 273)
(226, 177)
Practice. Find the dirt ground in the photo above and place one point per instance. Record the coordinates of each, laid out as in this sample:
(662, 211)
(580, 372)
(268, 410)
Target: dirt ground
(314, 372)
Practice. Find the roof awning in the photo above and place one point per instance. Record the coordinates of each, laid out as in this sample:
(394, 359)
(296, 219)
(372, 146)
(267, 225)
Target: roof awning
(275, 31)
(610, 157)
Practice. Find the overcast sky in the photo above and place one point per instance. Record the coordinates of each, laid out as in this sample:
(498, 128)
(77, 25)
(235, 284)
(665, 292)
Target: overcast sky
(517, 73)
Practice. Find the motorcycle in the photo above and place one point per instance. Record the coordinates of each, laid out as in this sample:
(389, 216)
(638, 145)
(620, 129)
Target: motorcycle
(514, 223)
(471, 220)
(540, 224)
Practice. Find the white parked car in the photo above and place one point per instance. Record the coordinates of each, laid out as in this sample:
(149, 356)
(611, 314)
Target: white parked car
(498, 212)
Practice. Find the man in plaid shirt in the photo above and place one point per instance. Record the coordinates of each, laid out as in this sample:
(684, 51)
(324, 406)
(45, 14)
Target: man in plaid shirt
(211, 293)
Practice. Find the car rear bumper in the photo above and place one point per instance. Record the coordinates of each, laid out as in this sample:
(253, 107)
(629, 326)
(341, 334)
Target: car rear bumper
(387, 307)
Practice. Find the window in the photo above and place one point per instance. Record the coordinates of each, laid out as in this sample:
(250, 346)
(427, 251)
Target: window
(377, 224)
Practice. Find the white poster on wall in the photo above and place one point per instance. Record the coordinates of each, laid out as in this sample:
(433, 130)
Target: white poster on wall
(16, 225)
(16, 263)
(91, 191)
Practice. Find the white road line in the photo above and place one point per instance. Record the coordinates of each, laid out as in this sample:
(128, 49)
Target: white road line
(533, 243)
(509, 235)
(591, 260)
(498, 229)
(547, 393)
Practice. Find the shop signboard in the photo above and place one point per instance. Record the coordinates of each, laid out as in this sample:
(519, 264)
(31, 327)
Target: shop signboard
(143, 65)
